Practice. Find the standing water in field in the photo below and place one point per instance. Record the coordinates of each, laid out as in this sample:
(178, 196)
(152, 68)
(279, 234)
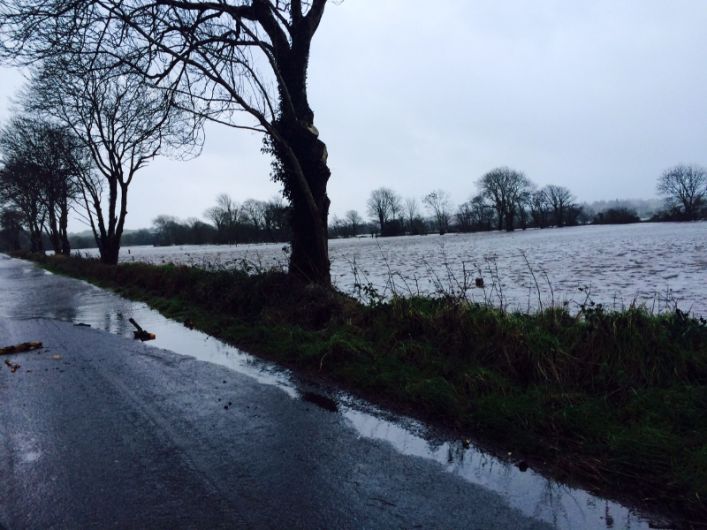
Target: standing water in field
(659, 265)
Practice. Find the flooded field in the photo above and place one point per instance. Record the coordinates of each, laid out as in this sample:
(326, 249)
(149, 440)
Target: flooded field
(660, 265)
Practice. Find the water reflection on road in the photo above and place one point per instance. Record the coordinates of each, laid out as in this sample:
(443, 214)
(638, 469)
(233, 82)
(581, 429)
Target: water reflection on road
(75, 301)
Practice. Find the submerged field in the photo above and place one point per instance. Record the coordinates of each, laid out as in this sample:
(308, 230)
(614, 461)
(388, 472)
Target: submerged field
(656, 264)
(616, 399)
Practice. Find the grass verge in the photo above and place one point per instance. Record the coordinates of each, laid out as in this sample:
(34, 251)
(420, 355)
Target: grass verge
(614, 400)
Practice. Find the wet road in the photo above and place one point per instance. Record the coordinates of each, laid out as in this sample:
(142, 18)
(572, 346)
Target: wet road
(97, 430)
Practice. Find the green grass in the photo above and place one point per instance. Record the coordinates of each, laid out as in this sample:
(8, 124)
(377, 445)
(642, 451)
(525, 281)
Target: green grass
(617, 400)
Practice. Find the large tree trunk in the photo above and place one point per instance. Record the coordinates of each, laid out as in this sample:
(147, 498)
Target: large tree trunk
(309, 258)
(304, 159)
(110, 250)
(54, 237)
(36, 242)
(64, 232)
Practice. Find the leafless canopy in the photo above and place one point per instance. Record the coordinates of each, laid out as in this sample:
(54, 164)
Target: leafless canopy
(226, 61)
(384, 205)
(440, 206)
(243, 63)
(506, 189)
(684, 187)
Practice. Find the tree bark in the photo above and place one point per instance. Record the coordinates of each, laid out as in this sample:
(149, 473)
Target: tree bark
(110, 250)
(304, 159)
(309, 258)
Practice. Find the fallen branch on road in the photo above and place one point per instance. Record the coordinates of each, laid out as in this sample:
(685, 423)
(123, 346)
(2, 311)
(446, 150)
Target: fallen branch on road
(20, 348)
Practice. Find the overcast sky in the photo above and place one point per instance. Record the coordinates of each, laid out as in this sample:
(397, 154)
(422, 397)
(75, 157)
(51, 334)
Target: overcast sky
(596, 95)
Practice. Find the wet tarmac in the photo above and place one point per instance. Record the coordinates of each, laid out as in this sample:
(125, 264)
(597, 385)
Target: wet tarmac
(185, 431)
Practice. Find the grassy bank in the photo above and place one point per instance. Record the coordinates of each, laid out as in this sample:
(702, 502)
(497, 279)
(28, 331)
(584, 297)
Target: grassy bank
(616, 399)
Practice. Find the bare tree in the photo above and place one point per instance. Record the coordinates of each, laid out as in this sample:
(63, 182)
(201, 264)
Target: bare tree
(123, 124)
(277, 219)
(384, 205)
(242, 63)
(540, 208)
(43, 164)
(475, 214)
(225, 217)
(684, 187)
(354, 221)
(22, 192)
(561, 200)
(253, 212)
(10, 227)
(440, 206)
(505, 188)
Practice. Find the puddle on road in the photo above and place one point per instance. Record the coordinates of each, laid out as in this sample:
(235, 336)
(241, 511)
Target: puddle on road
(79, 302)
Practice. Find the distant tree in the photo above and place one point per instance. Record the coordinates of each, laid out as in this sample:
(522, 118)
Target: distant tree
(439, 205)
(586, 214)
(522, 206)
(414, 223)
(337, 227)
(253, 214)
(225, 217)
(561, 201)
(20, 191)
(475, 214)
(505, 188)
(540, 208)
(166, 228)
(200, 233)
(384, 205)
(616, 216)
(354, 221)
(10, 228)
(465, 217)
(684, 188)
(276, 217)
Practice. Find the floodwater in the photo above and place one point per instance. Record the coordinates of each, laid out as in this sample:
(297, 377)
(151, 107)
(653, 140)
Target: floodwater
(658, 265)
(49, 296)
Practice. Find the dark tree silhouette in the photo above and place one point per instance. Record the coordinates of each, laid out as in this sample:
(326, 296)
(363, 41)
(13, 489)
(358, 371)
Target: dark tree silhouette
(354, 222)
(561, 201)
(242, 63)
(10, 226)
(685, 188)
(384, 205)
(123, 124)
(540, 208)
(505, 188)
(439, 205)
(22, 192)
(42, 161)
(225, 217)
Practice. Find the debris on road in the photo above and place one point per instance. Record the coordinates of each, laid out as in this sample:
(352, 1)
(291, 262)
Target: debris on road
(320, 400)
(19, 348)
(13, 366)
(57, 357)
(141, 334)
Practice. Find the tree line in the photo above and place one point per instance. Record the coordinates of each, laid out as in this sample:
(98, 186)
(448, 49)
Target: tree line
(508, 200)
